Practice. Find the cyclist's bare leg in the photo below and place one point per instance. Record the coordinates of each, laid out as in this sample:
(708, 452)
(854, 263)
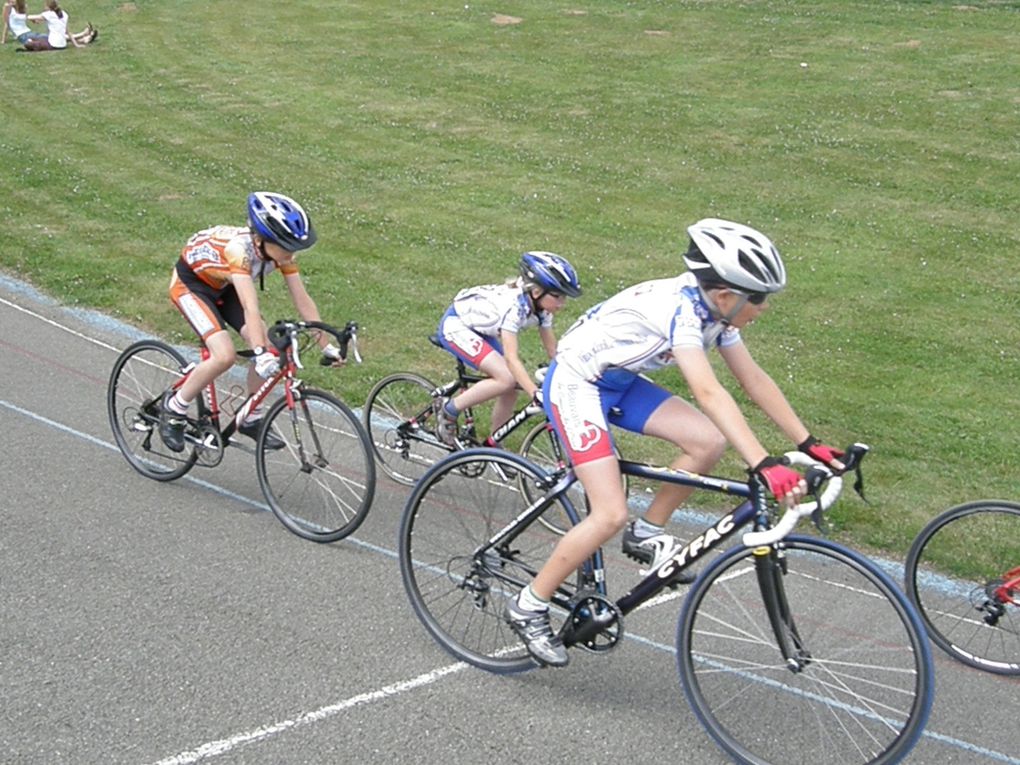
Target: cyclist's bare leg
(254, 381)
(221, 358)
(699, 439)
(607, 516)
(499, 383)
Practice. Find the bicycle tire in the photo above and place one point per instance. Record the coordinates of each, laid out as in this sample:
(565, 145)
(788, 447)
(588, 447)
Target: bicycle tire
(454, 509)
(403, 447)
(134, 398)
(864, 689)
(954, 566)
(542, 447)
(321, 484)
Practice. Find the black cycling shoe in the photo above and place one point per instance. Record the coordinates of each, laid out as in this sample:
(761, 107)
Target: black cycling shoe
(251, 429)
(171, 427)
(653, 551)
(533, 628)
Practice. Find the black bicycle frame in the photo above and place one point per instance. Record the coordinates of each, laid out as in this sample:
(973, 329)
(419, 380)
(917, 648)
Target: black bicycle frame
(466, 379)
(665, 575)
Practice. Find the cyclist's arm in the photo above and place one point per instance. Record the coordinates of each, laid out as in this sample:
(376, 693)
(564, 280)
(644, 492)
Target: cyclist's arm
(513, 361)
(716, 402)
(763, 391)
(305, 305)
(249, 299)
(548, 341)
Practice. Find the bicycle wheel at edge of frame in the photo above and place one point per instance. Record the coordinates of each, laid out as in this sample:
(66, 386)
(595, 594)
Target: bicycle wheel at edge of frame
(143, 466)
(913, 587)
(305, 528)
(912, 629)
(505, 642)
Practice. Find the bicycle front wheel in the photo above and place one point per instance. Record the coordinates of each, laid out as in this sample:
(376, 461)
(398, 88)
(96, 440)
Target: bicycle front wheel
(963, 574)
(321, 483)
(457, 585)
(134, 399)
(399, 419)
(854, 683)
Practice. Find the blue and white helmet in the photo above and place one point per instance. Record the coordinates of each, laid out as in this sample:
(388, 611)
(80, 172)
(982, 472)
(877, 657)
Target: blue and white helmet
(280, 220)
(734, 255)
(549, 272)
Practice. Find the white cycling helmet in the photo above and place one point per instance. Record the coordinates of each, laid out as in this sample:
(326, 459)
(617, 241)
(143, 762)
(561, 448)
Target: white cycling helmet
(733, 255)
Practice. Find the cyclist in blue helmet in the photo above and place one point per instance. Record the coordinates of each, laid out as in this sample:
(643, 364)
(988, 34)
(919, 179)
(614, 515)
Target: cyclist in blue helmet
(481, 328)
(213, 286)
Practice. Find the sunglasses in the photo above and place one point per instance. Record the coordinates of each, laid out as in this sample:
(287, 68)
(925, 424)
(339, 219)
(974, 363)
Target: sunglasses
(757, 298)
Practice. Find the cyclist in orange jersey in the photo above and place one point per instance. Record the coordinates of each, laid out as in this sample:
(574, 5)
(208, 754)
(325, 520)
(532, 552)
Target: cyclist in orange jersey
(213, 286)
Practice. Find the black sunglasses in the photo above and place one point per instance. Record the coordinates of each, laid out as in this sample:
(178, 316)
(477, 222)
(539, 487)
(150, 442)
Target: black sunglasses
(757, 298)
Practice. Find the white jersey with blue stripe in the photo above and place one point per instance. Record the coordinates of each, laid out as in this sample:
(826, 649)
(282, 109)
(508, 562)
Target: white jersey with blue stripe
(492, 308)
(637, 329)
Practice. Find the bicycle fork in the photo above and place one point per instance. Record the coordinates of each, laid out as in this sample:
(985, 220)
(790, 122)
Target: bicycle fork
(770, 568)
(299, 406)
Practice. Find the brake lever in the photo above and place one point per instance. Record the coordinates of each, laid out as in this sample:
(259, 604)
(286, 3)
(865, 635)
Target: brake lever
(855, 456)
(815, 479)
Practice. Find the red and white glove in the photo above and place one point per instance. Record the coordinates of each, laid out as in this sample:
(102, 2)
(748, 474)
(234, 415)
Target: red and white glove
(266, 365)
(778, 478)
(829, 456)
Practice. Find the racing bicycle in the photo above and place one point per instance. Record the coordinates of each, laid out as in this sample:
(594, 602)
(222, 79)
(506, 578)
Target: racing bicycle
(400, 417)
(321, 482)
(790, 648)
(963, 574)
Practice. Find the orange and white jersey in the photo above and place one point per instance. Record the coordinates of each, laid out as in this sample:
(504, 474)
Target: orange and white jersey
(215, 254)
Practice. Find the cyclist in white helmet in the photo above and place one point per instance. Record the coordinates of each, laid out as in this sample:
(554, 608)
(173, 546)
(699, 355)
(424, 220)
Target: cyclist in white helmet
(213, 286)
(596, 379)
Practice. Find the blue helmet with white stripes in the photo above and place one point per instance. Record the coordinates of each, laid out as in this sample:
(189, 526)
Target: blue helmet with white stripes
(549, 272)
(280, 220)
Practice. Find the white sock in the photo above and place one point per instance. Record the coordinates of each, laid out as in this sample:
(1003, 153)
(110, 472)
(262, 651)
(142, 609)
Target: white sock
(643, 529)
(529, 601)
(176, 405)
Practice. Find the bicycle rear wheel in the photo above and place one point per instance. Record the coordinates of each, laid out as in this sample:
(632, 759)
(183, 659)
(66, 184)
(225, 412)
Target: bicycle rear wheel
(857, 687)
(321, 484)
(963, 574)
(398, 417)
(458, 592)
(134, 400)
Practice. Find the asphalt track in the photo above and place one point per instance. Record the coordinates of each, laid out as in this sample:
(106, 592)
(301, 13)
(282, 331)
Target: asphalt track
(175, 623)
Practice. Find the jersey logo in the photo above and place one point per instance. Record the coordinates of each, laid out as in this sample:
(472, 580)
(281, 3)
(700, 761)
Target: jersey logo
(204, 251)
(585, 439)
(468, 342)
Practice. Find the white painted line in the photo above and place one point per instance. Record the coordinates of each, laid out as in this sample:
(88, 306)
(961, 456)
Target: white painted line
(222, 746)
(214, 748)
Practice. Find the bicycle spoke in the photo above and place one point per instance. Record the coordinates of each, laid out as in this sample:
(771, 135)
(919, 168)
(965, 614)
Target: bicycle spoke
(850, 695)
(320, 484)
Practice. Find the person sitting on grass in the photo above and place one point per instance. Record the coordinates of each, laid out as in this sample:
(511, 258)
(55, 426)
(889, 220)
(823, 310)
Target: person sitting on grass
(57, 36)
(16, 21)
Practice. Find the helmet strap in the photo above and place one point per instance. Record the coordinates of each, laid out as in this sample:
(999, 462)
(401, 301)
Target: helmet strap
(262, 269)
(714, 309)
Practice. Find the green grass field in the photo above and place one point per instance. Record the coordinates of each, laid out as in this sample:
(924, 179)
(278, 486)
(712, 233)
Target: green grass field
(432, 142)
